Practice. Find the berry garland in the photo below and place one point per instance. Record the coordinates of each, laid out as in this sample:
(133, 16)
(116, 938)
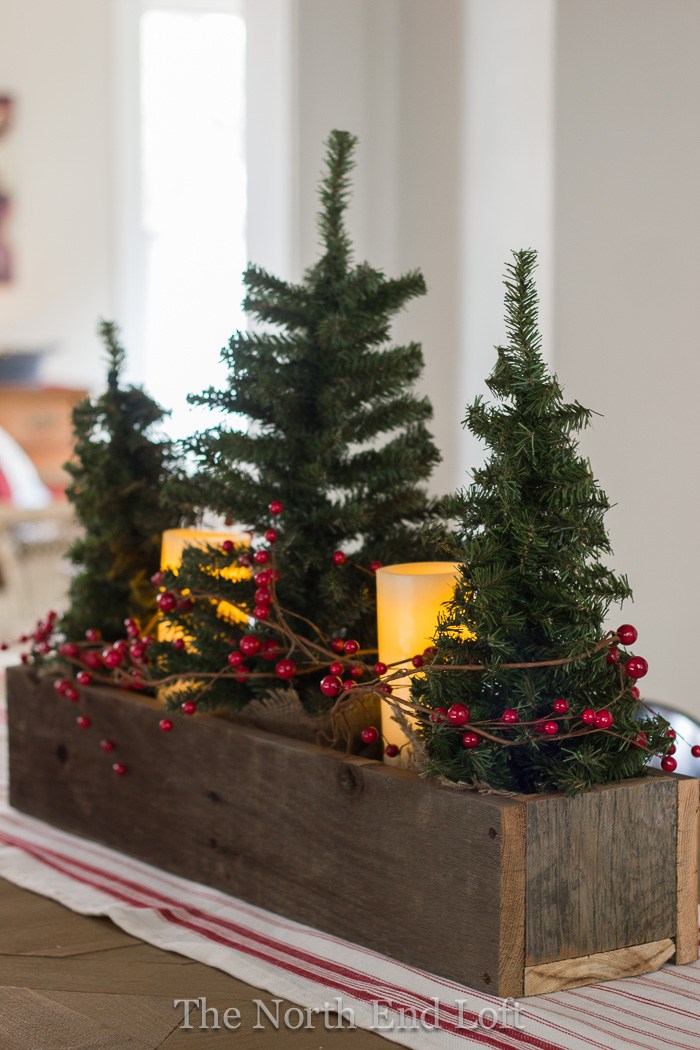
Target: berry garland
(351, 671)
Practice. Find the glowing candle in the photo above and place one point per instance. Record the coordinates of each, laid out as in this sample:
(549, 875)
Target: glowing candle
(409, 598)
(174, 543)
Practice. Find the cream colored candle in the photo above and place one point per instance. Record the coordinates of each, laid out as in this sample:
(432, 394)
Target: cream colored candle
(173, 544)
(409, 598)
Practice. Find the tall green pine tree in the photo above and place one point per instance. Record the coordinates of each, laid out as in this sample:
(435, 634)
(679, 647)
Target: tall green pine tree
(534, 586)
(320, 415)
(118, 475)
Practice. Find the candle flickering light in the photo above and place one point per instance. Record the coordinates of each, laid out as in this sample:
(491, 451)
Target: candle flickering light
(174, 543)
(409, 598)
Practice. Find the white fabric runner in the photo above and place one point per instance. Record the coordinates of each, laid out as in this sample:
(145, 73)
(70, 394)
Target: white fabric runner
(660, 1011)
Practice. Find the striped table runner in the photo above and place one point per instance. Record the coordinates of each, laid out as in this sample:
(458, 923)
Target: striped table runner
(323, 973)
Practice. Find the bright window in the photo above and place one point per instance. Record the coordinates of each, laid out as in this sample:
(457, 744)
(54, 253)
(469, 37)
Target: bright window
(193, 198)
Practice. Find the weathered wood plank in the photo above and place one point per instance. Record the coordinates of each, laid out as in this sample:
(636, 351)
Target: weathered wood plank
(512, 892)
(592, 969)
(687, 871)
(601, 869)
(343, 843)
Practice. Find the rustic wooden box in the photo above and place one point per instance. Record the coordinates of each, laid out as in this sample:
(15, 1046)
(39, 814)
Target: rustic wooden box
(510, 895)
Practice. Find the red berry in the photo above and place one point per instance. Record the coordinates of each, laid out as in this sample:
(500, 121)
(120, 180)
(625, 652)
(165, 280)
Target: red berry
(369, 735)
(339, 558)
(668, 764)
(351, 646)
(331, 685)
(166, 601)
(137, 651)
(235, 659)
(157, 578)
(470, 740)
(510, 716)
(458, 714)
(107, 745)
(612, 655)
(336, 668)
(640, 741)
(188, 707)
(93, 635)
(92, 659)
(391, 750)
(272, 535)
(561, 706)
(417, 661)
(261, 612)
(380, 668)
(249, 644)
(72, 694)
(83, 678)
(695, 750)
(269, 650)
(261, 557)
(384, 687)
(111, 657)
(373, 566)
(337, 645)
(245, 561)
(603, 720)
(69, 649)
(671, 750)
(179, 644)
(241, 674)
(356, 671)
(550, 728)
(350, 683)
(227, 546)
(627, 634)
(118, 768)
(636, 667)
(671, 734)
(83, 722)
(165, 724)
(60, 686)
(430, 652)
(185, 604)
(588, 716)
(439, 715)
(263, 596)
(285, 669)
(276, 507)
(274, 575)
(262, 579)
(634, 692)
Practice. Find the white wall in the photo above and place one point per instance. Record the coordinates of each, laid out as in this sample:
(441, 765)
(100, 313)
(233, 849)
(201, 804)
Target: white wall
(54, 61)
(627, 306)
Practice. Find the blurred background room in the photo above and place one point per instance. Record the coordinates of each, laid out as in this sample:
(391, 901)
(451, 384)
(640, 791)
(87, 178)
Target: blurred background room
(149, 148)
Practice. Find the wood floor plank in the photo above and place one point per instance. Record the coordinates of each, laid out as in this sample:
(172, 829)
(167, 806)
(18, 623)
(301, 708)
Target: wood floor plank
(34, 925)
(55, 1020)
(121, 995)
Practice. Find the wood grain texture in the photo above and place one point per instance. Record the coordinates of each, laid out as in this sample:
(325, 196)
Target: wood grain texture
(601, 870)
(592, 969)
(687, 871)
(512, 894)
(346, 844)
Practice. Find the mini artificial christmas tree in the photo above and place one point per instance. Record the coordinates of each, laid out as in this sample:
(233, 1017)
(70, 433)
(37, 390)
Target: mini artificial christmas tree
(543, 699)
(324, 446)
(118, 476)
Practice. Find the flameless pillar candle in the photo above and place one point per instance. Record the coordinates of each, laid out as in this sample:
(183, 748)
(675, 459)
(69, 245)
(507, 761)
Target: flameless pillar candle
(409, 598)
(174, 542)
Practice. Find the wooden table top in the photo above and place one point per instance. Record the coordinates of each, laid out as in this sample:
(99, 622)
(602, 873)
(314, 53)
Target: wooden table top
(68, 980)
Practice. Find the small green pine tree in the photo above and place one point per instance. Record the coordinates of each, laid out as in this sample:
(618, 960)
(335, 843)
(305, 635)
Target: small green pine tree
(534, 586)
(118, 477)
(321, 416)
